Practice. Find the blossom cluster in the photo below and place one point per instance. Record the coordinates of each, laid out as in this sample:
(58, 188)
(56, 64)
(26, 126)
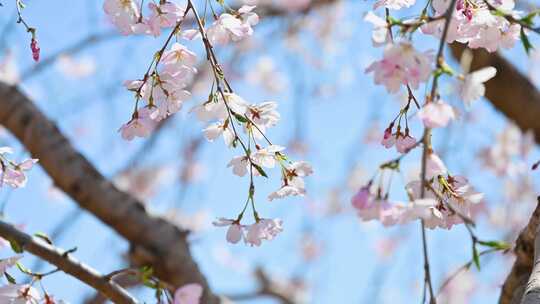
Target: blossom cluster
(254, 234)
(127, 17)
(12, 173)
(163, 90)
(448, 200)
(473, 22)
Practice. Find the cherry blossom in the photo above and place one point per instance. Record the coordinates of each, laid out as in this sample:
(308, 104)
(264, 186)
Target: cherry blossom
(235, 231)
(404, 142)
(293, 182)
(267, 157)
(215, 130)
(233, 28)
(140, 125)
(472, 88)
(239, 165)
(264, 229)
(12, 173)
(124, 14)
(434, 166)
(164, 15)
(475, 24)
(381, 34)
(19, 294)
(401, 65)
(263, 115)
(188, 294)
(436, 114)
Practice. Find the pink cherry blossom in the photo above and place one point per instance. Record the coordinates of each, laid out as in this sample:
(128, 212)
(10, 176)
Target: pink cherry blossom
(124, 14)
(361, 199)
(14, 175)
(434, 166)
(166, 14)
(239, 165)
(404, 143)
(264, 229)
(401, 65)
(475, 24)
(140, 125)
(19, 294)
(232, 28)
(436, 114)
(235, 232)
(188, 294)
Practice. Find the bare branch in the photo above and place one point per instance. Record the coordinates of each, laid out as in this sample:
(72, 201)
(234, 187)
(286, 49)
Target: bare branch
(64, 261)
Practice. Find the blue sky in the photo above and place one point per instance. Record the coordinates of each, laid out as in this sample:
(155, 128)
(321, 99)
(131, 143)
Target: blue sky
(90, 110)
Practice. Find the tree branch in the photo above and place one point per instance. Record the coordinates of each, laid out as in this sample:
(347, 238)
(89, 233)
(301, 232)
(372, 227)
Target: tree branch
(154, 241)
(514, 285)
(66, 263)
(532, 292)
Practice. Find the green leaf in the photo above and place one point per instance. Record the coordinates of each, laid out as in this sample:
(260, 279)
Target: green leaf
(260, 170)
(476, 257)
(525, 41)
(23, 269)
(499, 245)
(44, 237)
(15, 246)
(529, 18)
(10, 278)
(240, 118)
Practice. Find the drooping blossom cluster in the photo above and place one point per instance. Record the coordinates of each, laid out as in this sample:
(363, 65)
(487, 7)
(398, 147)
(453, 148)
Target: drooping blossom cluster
(448, 200)
(128, 19)
(475, 23)
(163, 91)
(126, 16)
(12, 173)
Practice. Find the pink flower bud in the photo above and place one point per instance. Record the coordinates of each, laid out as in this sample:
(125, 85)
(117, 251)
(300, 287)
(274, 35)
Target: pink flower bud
(35, 49)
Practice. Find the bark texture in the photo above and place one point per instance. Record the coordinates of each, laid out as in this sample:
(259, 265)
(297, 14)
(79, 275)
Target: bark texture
(532, 291)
